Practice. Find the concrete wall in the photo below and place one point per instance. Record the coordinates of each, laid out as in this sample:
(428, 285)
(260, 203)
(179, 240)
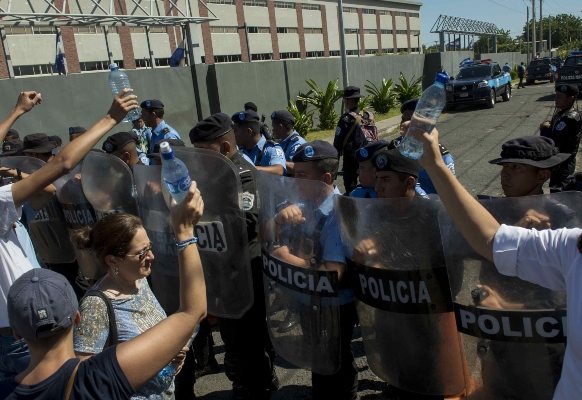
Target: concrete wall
(502, 58)
(449, 60)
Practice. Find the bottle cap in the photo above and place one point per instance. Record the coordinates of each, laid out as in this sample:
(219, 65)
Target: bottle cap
(166, 151)
(442, 78)
(113, 66)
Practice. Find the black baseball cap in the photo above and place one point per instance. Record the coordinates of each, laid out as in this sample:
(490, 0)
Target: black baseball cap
(283, 115)
(12, 146)
(314, 151)
(568, 88)
(152, 104)
(77, 129)
(55, 138)
(14, 133)
(245, 116)
(37, 143)
(249, 105)
(118, 141)
(393, 160)
(211, 128)
(367, 152)
(538, 151)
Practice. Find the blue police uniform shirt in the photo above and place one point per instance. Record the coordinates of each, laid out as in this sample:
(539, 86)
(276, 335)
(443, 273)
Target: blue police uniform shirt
(158, 135)
(506, 68)
(273, 154)
(364, 192)
(290, 144)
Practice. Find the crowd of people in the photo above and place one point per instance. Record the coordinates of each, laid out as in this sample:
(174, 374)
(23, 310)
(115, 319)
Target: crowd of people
(66, 334)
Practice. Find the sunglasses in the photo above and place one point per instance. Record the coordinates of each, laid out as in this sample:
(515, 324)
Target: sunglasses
(142, 254)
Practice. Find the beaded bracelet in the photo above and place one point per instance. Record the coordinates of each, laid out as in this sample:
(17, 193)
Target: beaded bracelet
(185, 243)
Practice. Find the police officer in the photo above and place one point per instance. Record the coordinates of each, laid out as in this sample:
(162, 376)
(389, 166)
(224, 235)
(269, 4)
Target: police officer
(345, 134)
(38, 146)
(123, 146)
(75, 132)
(520, 74)
(289, 139)
(425, 185)
(367, 170)
(152, 113)
(565, 129)
(12, 134)
(265, 131)
(267, 155)
(249, 357)
(506, 68)
(12, 147)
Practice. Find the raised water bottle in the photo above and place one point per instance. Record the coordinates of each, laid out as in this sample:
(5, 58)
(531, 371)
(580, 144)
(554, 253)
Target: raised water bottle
(175, 173)
(427, 113)
(117, 82)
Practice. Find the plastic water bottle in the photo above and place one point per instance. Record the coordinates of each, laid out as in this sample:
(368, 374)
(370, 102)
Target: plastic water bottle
(427, 112)
(169, 370)
(175, 173)
(117, 82)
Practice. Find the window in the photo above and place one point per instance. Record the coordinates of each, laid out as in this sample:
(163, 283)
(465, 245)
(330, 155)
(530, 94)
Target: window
(414, 15)
(252, 3)
(284, 4)
(400, 14)
(138, 29)
(44, 30)
(350, 10)
(158, 29)
(351, 52)
(368, 11)
(370, 31)
(414, 50)
(259, 29)
(231, 2)
(371, 51)
(403, 49)
(385, 12)
(350, 31)
(315, 54)
(228, 58)
(386, 31)
(387, 51)
(224, 29)
(25, 70)
(286, 30)
(400, 32)
(100, 65)
(313, 31)
(314, 7)
(415, 33)
(144, 63)
(285, 56)
(334, 53)
(262, 57)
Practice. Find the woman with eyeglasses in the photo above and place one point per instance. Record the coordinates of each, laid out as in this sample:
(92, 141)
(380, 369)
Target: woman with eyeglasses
(121, 244)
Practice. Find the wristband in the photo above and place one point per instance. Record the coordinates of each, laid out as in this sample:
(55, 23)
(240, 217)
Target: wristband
(185, 243)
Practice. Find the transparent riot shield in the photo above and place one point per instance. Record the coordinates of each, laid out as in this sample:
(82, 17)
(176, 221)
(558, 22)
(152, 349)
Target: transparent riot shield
(298, 288)
(108, 185)
(47, 230)
(400, 282)
(78, 213)
(514, 331)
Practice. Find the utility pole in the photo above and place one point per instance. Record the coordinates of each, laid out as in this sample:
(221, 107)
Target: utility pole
(550, 35)
(342, 33)
(527, 37)
(533, 29)
(541, 26)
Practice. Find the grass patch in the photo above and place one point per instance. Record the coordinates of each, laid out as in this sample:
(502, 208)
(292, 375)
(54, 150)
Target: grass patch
(317, 134)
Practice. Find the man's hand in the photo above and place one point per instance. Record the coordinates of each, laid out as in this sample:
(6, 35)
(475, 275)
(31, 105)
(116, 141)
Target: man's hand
(179, 360)
(534, 220)
(290, 215)
(365, 250)
(495, 301)
(187, 214)
(27, 100)
(431, 154)
(545, 125)
(122, 104)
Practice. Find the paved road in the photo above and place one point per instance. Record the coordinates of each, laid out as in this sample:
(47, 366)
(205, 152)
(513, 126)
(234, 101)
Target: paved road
(473, 135)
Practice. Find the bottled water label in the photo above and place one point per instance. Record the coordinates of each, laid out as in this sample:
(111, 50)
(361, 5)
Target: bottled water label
(181, 185)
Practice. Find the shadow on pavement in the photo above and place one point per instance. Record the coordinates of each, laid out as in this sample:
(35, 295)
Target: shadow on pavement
(548, 97)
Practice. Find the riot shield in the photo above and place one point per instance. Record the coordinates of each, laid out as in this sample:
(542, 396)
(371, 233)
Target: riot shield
(108, 185)
(47, 230)
(222, 234)
(402, 293)
(297, 286)
(514, 331)
(78, 213)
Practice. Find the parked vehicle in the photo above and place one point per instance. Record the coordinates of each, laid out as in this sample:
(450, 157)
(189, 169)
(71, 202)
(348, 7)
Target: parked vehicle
(540, 69)
(571, 71)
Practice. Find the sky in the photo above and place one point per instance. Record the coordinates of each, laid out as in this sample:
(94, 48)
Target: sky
(506, 14)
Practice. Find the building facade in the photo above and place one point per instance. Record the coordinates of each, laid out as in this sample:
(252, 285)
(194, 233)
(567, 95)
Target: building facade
(247, 30)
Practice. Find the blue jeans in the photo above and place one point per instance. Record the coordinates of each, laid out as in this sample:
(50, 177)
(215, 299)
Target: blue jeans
(14, 356)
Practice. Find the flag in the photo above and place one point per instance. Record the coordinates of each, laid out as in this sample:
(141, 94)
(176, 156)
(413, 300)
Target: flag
(60, 62)
(465, 62)
(177, 56)
(471, 43)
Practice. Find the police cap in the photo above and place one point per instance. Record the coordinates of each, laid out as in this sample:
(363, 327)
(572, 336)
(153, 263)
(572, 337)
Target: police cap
(408, 105)
(393, 160)
(245, 116)
(367, 152)
(54, 138)
(12, 146)
(249, 105)
(538, 151)
(352, 92)
(568, 88)
(118, 141)
(283, 115)
(79, 130)
(152, 104)
(14, 133)
(211, 128)
(314, 151)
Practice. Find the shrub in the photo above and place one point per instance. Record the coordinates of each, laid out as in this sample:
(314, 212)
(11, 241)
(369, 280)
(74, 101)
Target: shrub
(303, 119)
(408, 90)
(365, 103)
(324, 102)
(383, 99)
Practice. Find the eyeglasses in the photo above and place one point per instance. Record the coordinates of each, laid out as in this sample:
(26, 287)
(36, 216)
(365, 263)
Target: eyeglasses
(142, 254)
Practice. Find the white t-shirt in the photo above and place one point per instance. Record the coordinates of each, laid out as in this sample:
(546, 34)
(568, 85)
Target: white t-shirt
(13, 259)
(549, 258)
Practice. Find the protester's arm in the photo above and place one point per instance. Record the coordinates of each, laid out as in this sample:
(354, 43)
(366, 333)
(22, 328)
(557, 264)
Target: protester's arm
(142, 357)
(73, 152)
(37, 201)
(26, 101)
(471, 218)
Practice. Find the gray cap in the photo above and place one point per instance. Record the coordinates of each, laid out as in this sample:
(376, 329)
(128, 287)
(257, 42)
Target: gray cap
(41, 304)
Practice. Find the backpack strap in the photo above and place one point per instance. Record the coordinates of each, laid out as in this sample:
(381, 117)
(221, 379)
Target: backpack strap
(113, 337)
(71, 381)
(260, 156)
(356, 123)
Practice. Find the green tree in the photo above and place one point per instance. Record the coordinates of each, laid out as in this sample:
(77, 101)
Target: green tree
(303, 119)
(566, 30)
(382, 98)
(324, 102)
(407, 90)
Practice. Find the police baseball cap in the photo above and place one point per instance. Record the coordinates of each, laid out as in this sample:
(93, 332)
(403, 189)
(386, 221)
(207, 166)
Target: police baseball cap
(152, 104)
(172, 142)
(367, 152)
(211, 128)
(79, 130)
(249, 105)
(245, 116)
(14, 133)
(12, 146)
(538, 151)
(352, 92)
(283, 115)
(393, 160)
(41, 304)
(408, 105)
(37, 143)
(54, 138)
(568, 89)
(118, 141)
(314, 151)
